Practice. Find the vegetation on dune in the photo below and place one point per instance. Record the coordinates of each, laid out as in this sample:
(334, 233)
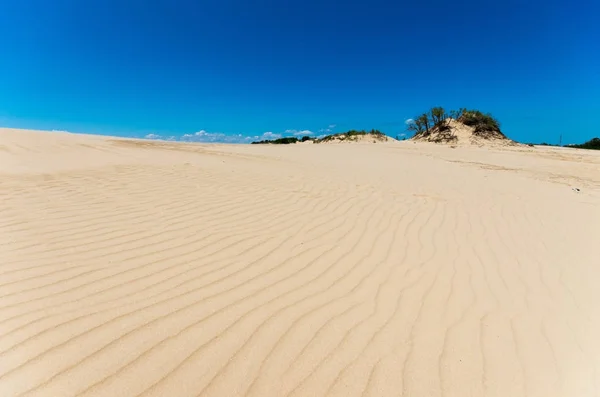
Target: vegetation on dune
(349, 135)
(424, 124)
(436, 120)
(482, 122)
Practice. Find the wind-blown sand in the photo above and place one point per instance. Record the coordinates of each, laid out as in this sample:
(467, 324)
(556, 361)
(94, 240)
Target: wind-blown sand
(133, 268)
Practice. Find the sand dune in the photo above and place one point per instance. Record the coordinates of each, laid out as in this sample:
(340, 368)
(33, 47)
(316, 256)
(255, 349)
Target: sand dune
(139, 268)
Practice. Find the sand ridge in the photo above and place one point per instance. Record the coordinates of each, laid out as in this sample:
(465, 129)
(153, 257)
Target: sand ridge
(140, 268)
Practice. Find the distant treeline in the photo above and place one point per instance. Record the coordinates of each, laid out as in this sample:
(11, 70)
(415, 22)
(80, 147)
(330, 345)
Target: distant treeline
(282, 141)
(348, 134)
(593, 144)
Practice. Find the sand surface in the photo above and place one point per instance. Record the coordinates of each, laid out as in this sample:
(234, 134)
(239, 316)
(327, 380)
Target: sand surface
(138, 268)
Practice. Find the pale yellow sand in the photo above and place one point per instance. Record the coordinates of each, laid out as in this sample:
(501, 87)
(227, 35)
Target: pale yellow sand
(134, 268)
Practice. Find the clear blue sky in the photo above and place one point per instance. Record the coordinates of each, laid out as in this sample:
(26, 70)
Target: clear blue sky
(249, 67)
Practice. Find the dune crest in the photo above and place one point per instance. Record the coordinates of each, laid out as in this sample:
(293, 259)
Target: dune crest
(457, 133)
(146, 268)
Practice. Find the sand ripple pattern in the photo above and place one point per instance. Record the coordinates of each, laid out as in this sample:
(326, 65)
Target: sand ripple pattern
(155, 269)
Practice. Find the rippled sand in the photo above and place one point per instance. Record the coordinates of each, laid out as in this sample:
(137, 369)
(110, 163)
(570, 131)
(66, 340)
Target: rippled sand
(133, 268)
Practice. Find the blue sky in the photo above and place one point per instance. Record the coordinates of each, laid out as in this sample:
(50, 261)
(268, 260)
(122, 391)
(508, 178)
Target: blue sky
(231, 69)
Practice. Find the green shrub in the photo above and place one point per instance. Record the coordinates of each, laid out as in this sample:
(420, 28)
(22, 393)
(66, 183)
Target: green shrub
(482, 122)
(436, 120)
(438, 116)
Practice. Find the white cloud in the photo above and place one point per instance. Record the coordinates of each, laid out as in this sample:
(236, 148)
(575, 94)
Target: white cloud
(62, 131)
(402, 134)
(195, 136)
(215, 137)
(299, 133)
(219, 137)
(409, 121)
(328, 130)
(268, 135)
(153, 136)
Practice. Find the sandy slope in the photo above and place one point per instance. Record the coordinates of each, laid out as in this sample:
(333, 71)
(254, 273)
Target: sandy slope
(459, 134)
(136, 268)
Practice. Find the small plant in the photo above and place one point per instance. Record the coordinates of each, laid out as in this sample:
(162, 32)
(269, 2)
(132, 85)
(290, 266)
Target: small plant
(438, 116)
(435, 118)
(482, 122)
(420, 125)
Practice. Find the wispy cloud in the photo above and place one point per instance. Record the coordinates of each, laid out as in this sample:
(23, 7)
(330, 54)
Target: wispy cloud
(409, 121)
(153, 136)
(201, 135)
(327, 130)
(219, 137)
(299, 132)
(215, 137)
(266, 135)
